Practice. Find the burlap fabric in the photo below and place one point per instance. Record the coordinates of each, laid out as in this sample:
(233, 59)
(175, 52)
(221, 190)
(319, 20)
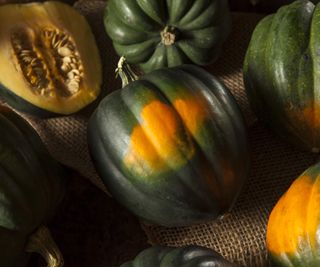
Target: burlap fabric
(240, 235)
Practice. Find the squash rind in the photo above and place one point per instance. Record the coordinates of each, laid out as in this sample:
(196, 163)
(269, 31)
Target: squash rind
(292, 232)
(131, 23)
(197, 173)
(31, 186)
(191, 256)
(281, 73)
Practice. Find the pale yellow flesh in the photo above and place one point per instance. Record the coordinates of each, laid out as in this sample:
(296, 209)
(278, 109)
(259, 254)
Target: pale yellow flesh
(49, 15)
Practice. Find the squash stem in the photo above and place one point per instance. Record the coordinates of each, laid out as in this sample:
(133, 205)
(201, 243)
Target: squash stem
(42, 242)
(168, 35)
(125, 72)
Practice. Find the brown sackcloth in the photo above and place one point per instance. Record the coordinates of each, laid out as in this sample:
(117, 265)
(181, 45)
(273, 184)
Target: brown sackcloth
(240, 236)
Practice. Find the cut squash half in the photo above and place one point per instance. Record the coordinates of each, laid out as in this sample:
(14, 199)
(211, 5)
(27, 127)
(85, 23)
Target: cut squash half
(49, 60)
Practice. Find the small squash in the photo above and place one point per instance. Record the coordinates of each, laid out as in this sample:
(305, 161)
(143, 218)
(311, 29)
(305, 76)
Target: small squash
(282, 73)
(171, 146)
(159, 33)
(191, 256)
(31, 187)
(293, 237)
(49, 61)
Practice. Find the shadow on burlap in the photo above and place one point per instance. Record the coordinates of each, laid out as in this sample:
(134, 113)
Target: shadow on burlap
(240, 236)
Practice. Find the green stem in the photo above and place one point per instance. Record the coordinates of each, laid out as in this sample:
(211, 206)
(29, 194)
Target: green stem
(125, 72)
(42, 242)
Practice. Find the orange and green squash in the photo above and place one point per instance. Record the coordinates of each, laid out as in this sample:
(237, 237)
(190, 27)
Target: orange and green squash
(167, 33)
(293, 237)
(282, 73)
(171, 146)
(49, 61)
(188, 256)
(31, 187)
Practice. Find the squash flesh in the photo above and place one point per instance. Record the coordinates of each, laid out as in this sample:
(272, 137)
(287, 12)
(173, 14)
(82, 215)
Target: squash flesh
(24, 42)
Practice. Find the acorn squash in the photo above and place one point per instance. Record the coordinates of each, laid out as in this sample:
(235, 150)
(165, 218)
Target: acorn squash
(293, 237)
(275, 4)
(171, 146)
(159, 33)
(191, 256)
(31, 187)
(282, 73)
(50, 63)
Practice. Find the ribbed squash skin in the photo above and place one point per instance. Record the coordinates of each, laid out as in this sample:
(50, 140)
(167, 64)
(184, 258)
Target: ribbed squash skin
(275, 4)
(171, 147)
(31, 187)
(201, 26)
(282, 73)
(293, 237)
(189, 256)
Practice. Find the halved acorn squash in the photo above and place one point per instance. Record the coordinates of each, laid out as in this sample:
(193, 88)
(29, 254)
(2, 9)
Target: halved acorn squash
(49, 59)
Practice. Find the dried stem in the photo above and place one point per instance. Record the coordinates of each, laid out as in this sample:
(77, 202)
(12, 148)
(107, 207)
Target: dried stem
(41, 242)
(125, 72)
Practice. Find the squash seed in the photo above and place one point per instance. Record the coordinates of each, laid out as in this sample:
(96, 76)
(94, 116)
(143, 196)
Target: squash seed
(64, 51)
(35, 69)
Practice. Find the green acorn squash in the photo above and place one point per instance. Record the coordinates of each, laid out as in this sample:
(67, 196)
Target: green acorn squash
(191, 256)
(282, 73)
(293, 237)
(49, 61)
(31, 187)
(159, 33)
(275, 4)
(171, 146)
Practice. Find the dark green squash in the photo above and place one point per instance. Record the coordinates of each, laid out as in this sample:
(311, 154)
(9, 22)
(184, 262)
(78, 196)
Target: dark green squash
(188, 256)
(49, 61)
(275, 4)
(293, 235)
(160, 33)
(31, 187)
(282, 73)
(171, 146)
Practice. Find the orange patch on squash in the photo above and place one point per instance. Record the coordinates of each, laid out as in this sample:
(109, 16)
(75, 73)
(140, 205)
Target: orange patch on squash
(307, 123)
(295, 218)
(313, 213)
(156, 145)
(192, 112)
(229, 177)
(312, 116)
(309, 116)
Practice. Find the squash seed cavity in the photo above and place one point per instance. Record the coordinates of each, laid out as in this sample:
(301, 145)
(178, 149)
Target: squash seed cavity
(48, 60)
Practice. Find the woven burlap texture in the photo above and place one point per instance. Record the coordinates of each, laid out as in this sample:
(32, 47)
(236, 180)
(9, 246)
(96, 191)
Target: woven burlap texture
(240, 236)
